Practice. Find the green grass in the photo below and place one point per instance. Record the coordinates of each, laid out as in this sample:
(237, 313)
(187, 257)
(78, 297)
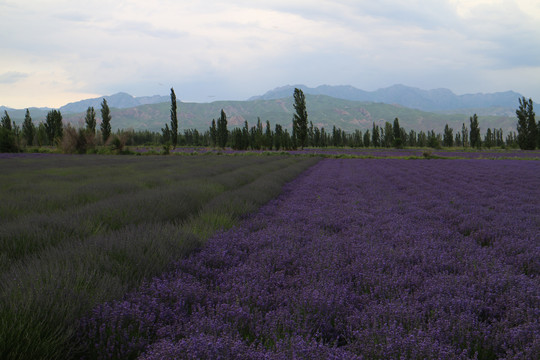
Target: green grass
(76, 231)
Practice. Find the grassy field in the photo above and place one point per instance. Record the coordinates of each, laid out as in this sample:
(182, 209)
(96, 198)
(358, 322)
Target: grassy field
(76, 231)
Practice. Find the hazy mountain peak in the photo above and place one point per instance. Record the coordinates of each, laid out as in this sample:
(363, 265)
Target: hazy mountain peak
(120, 100)
(440, 99)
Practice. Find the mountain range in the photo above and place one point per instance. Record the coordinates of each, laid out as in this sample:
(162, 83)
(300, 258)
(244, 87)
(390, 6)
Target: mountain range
(343, 106)
(437, 100)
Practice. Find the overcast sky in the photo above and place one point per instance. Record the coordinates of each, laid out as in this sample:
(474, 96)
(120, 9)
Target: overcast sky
(58, 51)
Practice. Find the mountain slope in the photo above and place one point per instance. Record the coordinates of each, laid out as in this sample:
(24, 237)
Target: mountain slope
(323, 111)
(120, 100)
(501, 103)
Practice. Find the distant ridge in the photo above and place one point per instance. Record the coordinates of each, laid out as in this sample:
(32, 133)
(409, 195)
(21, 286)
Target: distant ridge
(119, 100)
(438, 100)
(343, 106)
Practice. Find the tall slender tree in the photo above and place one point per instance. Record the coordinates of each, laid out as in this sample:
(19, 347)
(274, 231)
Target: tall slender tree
(54, 126)
(6, 121)
(301, 117)
(90, 120)
(489, 139)
(105, 121)
(398, 138)
(464, 135)
(526, 126)
(375, 137)
(174, 120)
(28, 128)
(222, 132)
(474, 132)
(268, 136)
(213, 133)
(448, 137)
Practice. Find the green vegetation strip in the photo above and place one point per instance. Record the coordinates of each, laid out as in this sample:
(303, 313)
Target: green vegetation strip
(76, 231)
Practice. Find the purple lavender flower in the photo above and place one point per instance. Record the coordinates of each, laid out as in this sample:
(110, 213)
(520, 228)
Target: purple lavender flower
(359, 258)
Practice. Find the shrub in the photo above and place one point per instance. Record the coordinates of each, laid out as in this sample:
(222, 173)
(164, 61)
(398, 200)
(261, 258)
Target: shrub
(7, 141)
(75, 141)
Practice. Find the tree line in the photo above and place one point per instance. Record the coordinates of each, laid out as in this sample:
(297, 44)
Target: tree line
(261, 136)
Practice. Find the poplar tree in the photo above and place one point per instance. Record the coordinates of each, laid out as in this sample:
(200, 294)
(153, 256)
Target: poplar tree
(105, 121)
(222, 132)
(268, 136)
(6, 121)
(375, 137)
(464, 135)
(53, 126)
(448, 137)
(474, 132)
(398, 139)
(367, 138)
(300, 121)
(174, 120)
(278, 137)
(526, 126)
(213, 133)
(28, 128)
(90, 120)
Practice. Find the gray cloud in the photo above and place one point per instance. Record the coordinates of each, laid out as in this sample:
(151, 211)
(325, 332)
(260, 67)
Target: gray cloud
(146, 29)
(12, 77)
(235, 49)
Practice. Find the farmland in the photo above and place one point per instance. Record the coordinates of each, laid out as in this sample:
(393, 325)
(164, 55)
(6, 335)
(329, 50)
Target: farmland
(118, 257)
(358, 258)
(79, 230)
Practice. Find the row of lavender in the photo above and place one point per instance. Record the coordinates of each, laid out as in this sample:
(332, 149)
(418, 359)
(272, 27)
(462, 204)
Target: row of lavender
(333, 152)
(384, 153)
(359, 258)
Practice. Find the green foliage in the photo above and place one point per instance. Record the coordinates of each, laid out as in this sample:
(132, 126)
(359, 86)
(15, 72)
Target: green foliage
(174, 120)
(8, 141)
(28, 129)
(433, 140)
(268, 137)
(300, 117)
(474, 133)
(367, 138)
(117, 144)
(526, 126)
(105, 121)
(166, 148)
(465, 135)
(489, 140)
(41, 135)
(54, 127)
(213, 133)
(448, 137)
(222, 132)
(6, 121)
(90, 120)
(278, 136)
(375, 136)
(398, 136)
(166, 134)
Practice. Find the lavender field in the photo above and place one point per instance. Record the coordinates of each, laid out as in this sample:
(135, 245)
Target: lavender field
(370, 152)
(357, 259)
(76, 231)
